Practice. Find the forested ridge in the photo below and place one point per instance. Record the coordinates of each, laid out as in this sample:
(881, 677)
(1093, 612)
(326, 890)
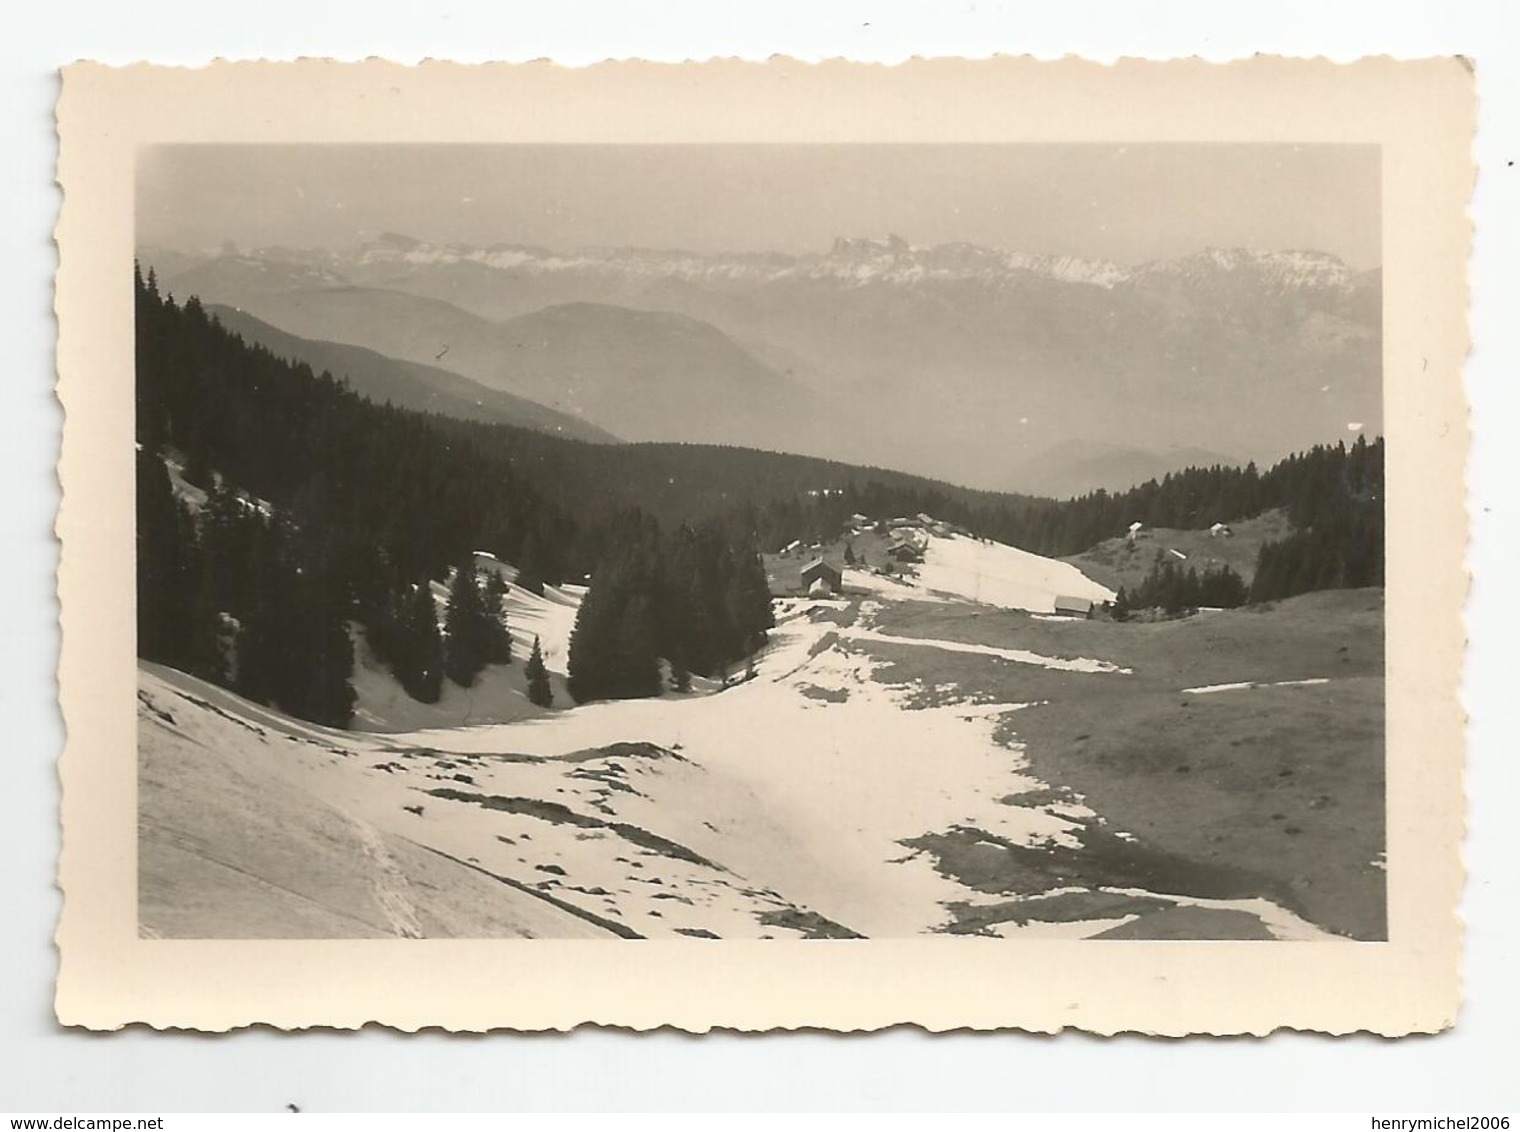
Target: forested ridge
(1319, 488)
(323, 508)
(255, 588)
(1333, 499)
(1332, 495)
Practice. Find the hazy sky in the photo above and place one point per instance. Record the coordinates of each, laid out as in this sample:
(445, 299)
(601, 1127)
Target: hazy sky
(1127, 203)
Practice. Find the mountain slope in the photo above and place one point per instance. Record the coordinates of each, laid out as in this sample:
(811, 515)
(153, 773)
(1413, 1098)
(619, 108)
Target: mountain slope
(658, 376)
(1117, 561)
(253, 825)
(236, 843)
(410, 385)
(392, 323)
(637, 374)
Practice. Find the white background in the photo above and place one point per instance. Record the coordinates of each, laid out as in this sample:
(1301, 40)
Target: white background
(46, 1069)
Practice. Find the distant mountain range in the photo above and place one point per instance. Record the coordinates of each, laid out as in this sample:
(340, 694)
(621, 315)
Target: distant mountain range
(956, 361)
(1073, 467)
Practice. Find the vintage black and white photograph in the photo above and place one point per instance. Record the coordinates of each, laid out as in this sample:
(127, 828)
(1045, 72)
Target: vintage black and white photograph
(774, 541)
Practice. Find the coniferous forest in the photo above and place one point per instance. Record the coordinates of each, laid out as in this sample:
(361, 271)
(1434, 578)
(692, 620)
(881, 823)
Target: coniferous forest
(305, 508)
(1173, 590)
(691, 597)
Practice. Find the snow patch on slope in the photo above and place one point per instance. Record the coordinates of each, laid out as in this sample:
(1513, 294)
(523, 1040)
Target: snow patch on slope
(841, 780)
(255, 829)
(499, 693)
(1018, 656)
(1004, 576)
(550, 617)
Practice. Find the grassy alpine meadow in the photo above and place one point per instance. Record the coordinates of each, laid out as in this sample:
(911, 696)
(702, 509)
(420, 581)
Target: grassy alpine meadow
(1241, 754)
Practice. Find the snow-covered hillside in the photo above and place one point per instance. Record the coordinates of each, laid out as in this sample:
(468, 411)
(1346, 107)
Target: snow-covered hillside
(994, 574)
(815, 800)
(948, 563)
(735, 814)
(245, 833)
(259, 827)
(799, 794)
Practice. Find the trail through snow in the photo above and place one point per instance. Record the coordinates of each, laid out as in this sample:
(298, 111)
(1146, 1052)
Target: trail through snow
(392, 890)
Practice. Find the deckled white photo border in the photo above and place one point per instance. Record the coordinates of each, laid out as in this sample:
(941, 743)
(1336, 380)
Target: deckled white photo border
(1420, 113)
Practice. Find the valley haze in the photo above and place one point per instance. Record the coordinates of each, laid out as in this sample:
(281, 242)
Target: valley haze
(1082, 374)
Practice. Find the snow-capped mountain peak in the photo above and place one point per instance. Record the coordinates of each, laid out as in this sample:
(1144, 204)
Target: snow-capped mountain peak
(850, 261)
(1282, 270)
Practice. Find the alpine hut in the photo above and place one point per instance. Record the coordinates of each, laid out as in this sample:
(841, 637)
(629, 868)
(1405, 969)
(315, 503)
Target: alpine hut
(819, 579)
(1073, 607)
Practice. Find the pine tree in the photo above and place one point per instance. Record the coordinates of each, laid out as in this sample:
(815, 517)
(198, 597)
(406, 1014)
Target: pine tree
(539, 691)
(593, 641)
(332, 696)
(205, 653)
(314, 681)
(747, 603)
(465, 627)
(638, 667)
(419, 664)
(530, 567)
(163, 568)
(497, 633)
(680, 675)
